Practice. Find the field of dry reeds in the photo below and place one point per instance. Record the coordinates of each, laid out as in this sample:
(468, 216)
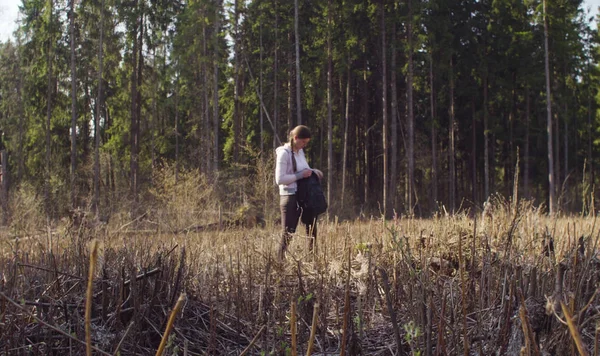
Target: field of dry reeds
(508, 281)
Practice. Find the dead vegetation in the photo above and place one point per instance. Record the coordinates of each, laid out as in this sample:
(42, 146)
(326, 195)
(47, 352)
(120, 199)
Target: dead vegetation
(511, 281)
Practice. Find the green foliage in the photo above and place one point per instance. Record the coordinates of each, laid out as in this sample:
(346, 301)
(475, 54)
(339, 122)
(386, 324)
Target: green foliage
(188, 113)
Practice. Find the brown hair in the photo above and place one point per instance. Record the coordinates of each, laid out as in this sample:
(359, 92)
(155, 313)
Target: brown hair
(301, 131)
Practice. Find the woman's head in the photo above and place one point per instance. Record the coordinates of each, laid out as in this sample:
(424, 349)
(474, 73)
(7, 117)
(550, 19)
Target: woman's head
(299, 137)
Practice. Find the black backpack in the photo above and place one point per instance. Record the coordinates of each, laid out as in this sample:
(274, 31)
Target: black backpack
(311, 198)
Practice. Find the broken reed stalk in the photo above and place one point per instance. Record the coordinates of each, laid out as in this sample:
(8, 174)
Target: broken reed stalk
(176, 309)
(122, 339)
(293, 328)
(596, 342)
(463, 292)
(390, 307)
(313, 329)
(530, 344)
(346, 308)
(573, 330)
(89, 295)
(247, 349)
(54, 328)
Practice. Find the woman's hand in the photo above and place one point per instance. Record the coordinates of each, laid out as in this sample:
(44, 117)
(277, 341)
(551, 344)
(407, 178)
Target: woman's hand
(319, 173)
(306, 173)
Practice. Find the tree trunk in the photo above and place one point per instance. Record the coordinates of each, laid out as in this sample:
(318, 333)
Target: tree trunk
(216, 86)
(73, 106)
(329, 105)
(260, 87)
(393, 178)
(486, 140)
(411, 117)
(177, 128)
(473, 153)
(291, 90)
(99, 106)
(298, 82)
(236, 85)
(365, 114)
(434, 164)
(551, 183)
(346, 124)
(205, 91)
(526, 155)
(276, 78)
(451, 144)
(48, 116)
(134, 126)
(384, 106)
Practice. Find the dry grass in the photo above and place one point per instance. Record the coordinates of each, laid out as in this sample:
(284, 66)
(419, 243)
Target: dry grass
(443, 300)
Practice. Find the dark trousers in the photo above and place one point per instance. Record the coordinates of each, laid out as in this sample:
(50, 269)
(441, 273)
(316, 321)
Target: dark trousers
(290, 214)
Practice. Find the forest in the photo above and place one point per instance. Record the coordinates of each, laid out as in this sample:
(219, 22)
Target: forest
(416, 107)
(458, 141)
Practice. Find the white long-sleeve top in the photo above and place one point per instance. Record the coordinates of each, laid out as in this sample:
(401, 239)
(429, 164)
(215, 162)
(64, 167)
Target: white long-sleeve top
(284, 169)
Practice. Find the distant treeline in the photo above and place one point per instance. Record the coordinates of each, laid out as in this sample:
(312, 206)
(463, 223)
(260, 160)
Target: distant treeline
(414, 105)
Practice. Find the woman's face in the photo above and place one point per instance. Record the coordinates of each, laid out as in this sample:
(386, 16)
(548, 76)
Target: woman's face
(300, 143)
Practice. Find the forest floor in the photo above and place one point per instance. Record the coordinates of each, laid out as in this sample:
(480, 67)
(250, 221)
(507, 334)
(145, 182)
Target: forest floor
(510, 281)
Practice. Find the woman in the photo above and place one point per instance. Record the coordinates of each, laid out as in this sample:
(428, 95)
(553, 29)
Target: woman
(292, 166)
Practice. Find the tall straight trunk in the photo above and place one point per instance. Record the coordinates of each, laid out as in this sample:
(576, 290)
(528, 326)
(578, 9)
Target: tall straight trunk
(216, 85)
(557, 167)
(73, 106)
(298, 82)
(365, 115)
(329, 105)
(527, 137)
(154, 119)
(99, 106)
(393, 181)
(260, 86)
(276, 78)
(451, 142)
(205, 88)
(290, 87)
(134, 127)
(551, 183)
(346, 124)
(236, 85)
(384, 106)
(177, 128)
(21, 128)
(590, 161)
(566, 147)
(50, 54)
(434, 164)
(411, 116)
(486, 140)
(473, 153)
